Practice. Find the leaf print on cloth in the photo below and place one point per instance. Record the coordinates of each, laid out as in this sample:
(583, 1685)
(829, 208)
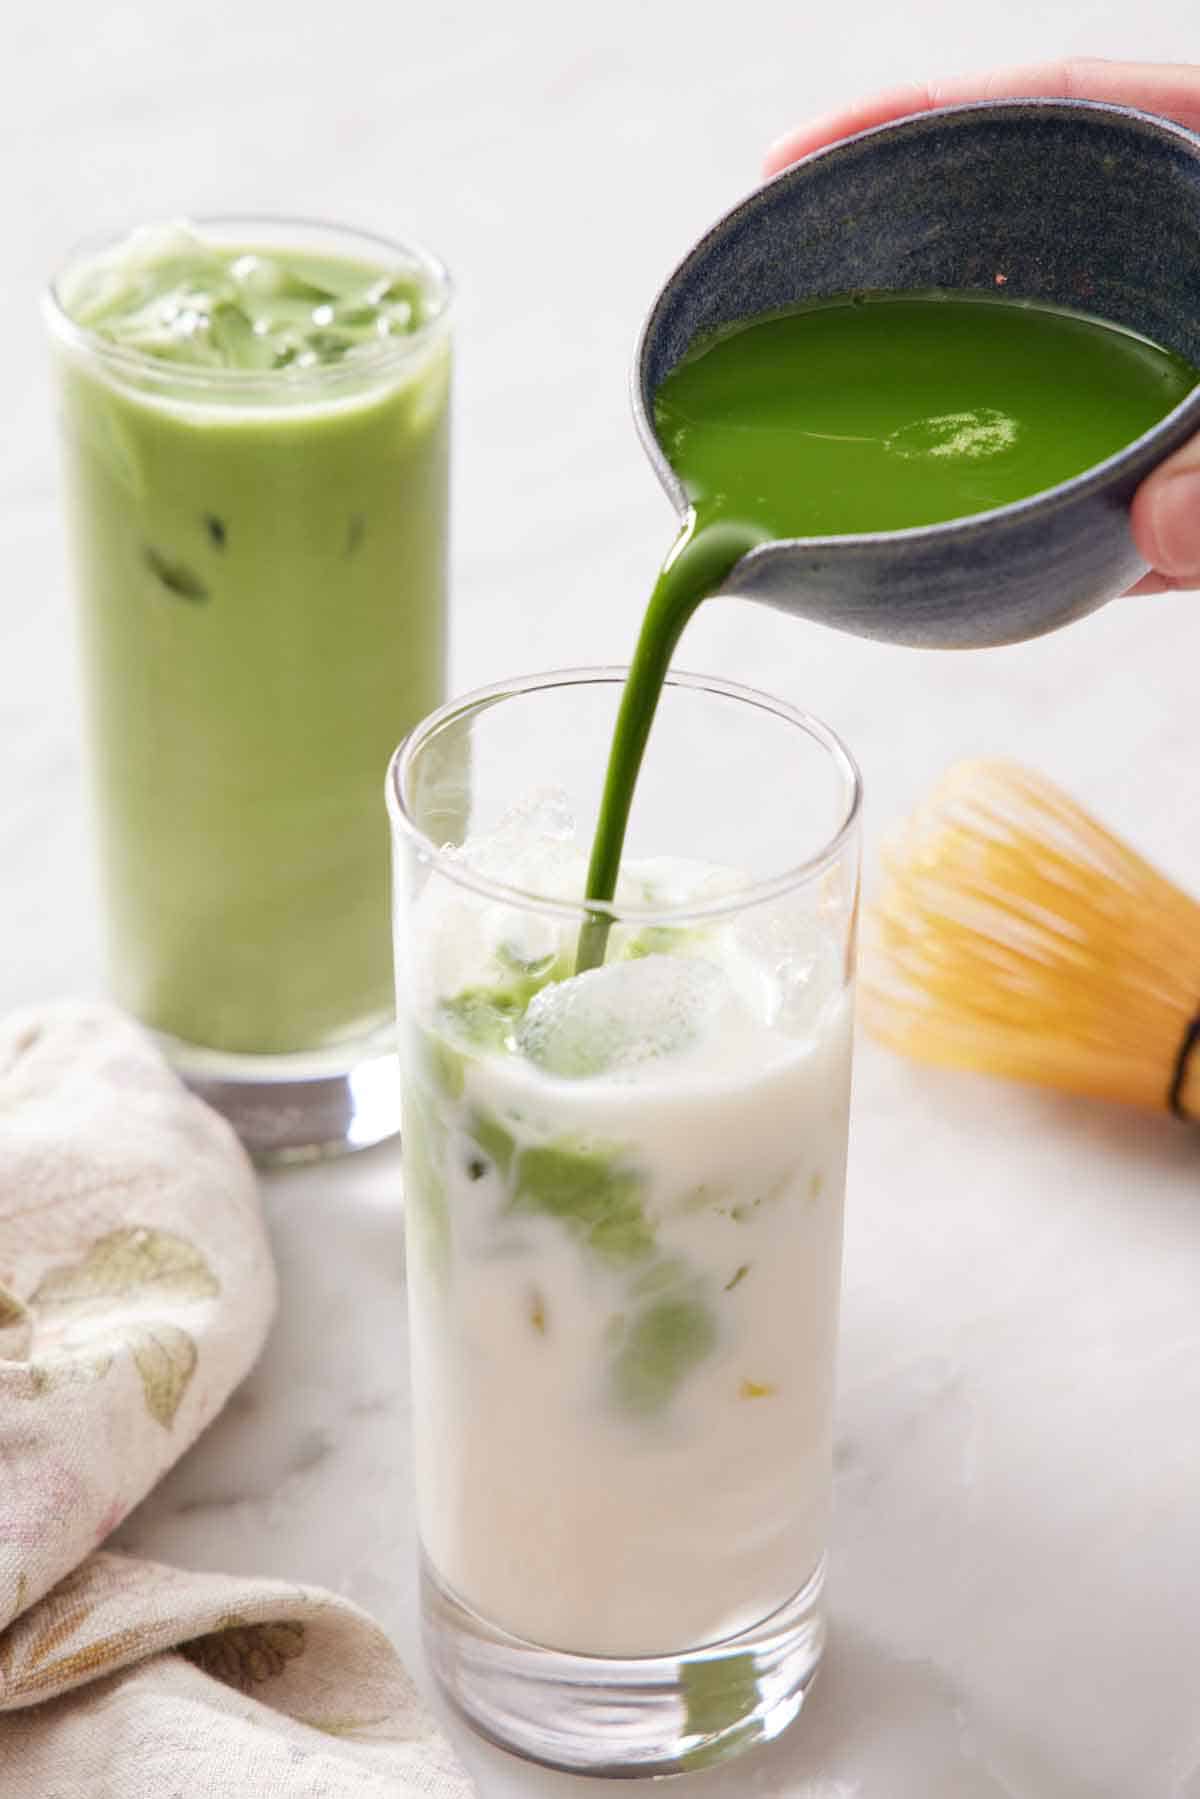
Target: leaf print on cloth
(244, 1655)
(123, 1295)
(129, 1265)
(32, 1658)
(11, 1310)
(15, 1327)
(166, 1360)
(65, 1624)
(27, 1679)
(78, 1361)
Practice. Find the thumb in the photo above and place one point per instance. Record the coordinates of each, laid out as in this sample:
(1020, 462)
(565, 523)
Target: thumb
(1166, 517)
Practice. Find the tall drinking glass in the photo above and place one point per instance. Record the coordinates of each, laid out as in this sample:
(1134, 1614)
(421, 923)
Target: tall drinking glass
(255, 421)
(624, 1196)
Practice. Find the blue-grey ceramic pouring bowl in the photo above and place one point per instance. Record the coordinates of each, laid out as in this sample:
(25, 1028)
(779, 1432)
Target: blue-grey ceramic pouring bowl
(1066, 202)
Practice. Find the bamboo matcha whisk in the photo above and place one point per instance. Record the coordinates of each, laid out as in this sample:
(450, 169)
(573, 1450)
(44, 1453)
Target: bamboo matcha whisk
(1015, 935)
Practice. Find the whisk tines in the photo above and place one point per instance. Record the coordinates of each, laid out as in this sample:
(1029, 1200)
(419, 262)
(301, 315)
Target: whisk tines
(1014, 934)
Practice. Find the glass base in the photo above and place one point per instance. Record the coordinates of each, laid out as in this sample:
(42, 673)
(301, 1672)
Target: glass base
(625, 1718)
(299, 1108)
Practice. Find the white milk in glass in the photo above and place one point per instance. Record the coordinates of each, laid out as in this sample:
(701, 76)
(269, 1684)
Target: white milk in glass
(624, 1198)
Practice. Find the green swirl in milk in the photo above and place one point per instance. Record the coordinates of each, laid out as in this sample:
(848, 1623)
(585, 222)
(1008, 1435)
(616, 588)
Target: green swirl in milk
(665, 1320)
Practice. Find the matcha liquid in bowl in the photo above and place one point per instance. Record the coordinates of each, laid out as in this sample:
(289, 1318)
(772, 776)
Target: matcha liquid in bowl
(255, 417)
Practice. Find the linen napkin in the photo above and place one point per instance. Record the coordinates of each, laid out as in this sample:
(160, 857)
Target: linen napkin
(136, 1288)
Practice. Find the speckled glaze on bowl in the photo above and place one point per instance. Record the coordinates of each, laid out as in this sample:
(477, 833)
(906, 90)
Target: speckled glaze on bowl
(1062, 201)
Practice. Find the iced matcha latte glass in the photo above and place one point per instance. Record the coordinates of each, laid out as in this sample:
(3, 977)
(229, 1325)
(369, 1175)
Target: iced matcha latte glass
(623, 1194)
(255, 424)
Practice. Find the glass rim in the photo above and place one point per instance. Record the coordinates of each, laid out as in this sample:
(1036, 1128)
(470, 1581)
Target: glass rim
(754, 893)
(276, 385)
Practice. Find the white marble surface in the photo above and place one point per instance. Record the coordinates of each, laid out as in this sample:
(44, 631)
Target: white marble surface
(1016, 1569)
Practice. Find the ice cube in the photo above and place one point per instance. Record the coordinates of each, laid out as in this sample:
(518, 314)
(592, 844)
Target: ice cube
(674, 883)
(532, 848)
(616, 1019)
(375, 312)
(542, 814)
(525, 944)
(233, 334)
(262, 278)
(512, 949)
(797, 956)
(160, 266)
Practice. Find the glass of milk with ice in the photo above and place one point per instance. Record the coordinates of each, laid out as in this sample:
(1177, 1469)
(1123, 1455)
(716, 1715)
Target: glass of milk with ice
(623, 1195)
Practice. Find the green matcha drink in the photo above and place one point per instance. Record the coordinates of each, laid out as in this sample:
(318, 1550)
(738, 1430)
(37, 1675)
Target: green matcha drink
(863, 414)
(256, 435)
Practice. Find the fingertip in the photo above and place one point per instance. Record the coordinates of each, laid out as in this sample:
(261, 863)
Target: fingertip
(791, 147)
(1141, 526)
(1152, 584)
(1165, 519)
(832, 127)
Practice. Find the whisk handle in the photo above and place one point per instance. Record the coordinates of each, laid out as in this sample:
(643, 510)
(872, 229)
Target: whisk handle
(1179, 1074)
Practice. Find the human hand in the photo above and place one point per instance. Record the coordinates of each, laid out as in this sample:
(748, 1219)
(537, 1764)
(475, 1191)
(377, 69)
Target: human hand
(1166, 508)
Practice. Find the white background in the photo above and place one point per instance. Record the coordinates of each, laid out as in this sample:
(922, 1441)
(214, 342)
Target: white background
(1016, 1577)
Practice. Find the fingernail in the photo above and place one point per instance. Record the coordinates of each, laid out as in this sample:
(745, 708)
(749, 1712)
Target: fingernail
(1176, 524)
